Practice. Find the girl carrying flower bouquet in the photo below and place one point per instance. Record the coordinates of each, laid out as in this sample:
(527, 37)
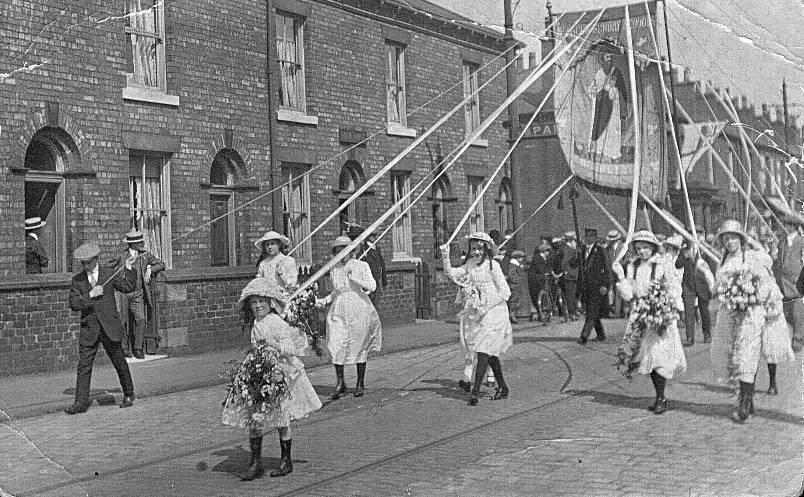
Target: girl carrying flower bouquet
(651, 344)
(270, 388)
(750, 322)
(485, 324)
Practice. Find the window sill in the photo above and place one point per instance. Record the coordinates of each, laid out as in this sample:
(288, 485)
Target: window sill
(395, 129)
(480, 142)
(150, 95)
(406, 258)
(294, 116)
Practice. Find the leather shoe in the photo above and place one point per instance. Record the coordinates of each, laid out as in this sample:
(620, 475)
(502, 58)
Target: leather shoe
(689, 343)
(601, 338)
(128, 401)
(474, 400)
(464, 385)
(138, 354)
(77, 408)
(581, 341)
(127, 354)
(707, 339)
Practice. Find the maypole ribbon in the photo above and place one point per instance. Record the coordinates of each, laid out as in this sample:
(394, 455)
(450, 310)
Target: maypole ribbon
(466, 143)
(541, 206)
(485, 188)
(680, 228)
(605, 211)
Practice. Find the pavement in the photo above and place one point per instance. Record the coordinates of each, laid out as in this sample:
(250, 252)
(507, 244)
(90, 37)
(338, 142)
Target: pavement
(572, 426)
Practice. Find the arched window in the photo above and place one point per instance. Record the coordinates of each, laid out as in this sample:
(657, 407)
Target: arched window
(505, 207)
(439, 200)
(48, 153)
(223, 240)
(350, 180)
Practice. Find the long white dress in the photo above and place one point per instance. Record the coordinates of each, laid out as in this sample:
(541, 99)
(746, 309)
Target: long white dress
(763, 330)
(353, 324)
(302, 399)
(664, 352)
(282, 267)
(487, 330)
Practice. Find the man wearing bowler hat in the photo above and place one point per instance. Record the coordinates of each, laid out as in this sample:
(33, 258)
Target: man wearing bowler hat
(35, 255)
(92, 294)
(595, 278)
(138, 302)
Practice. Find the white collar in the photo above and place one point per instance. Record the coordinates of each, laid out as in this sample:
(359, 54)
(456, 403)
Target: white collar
(33, 235)
(515, 262)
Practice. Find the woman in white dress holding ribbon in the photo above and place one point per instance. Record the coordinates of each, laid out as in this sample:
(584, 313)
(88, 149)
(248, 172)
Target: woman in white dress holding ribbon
(485, 323)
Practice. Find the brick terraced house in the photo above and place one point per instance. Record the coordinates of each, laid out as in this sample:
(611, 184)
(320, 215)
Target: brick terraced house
(166, 115)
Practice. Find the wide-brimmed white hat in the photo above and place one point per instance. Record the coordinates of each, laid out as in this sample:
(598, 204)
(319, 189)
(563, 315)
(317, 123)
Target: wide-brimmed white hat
(645, 236)
(33, 223)
(674, 241)
(732, 226)
(613, 236)
(273, 235)
(485, 238)
(263, 287)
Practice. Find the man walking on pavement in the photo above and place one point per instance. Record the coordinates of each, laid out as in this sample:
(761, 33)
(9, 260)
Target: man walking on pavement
(696, 283)
(787, 268)
(92, 294)
(139, 301)
(595, 278)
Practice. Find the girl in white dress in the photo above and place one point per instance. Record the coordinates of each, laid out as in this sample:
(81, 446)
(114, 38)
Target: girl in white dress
(762, 330)
(485, 323)
(660, 355)
(353, 324)
(261, 305)
(274, 264)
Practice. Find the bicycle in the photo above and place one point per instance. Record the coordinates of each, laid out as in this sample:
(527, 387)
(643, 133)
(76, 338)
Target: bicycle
(557, 296)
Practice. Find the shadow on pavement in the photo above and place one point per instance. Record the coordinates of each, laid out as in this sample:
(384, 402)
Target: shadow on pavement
(237, 459)
(448, 389)
(713, 410)
(707, 386)
(520, 339)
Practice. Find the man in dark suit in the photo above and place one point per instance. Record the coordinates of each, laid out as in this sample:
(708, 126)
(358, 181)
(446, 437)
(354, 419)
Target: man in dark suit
(35, 255)
(595, 278)
(695, 284)
(139, 302)
(376, 263)
(92, 294)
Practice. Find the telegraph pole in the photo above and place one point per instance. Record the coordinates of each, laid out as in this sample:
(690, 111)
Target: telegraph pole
(277, 221)
(513, 113)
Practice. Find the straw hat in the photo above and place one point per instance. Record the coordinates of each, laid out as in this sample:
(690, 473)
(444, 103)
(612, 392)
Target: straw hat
(341, 241)
(545, 247)
(86, 252)
(674, 241)
(645, 236)
(263, 287)
(517, 253)
(33, 223)
(613, 236)
(570, 235)
(272, 235)
(485, 238)
(134, 236)
(732, 226)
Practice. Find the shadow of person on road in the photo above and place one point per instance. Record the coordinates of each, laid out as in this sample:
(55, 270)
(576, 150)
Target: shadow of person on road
(521, 339)
(237, 459)
(713, 410)
(447, 389)
(707, 386)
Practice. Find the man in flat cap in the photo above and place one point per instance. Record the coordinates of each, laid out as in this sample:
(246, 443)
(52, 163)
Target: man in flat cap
(138, 302)
(92, 294)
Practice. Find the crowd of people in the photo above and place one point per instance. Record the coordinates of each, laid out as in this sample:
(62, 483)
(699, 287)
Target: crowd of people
(592, 278)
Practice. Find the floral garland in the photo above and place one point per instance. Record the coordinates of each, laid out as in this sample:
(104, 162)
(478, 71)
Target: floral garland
(738, 292)
(256, 385)
(301, 312)
(651, 313)
(475, 301)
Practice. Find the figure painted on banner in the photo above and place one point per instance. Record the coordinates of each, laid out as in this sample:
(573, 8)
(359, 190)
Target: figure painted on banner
(516, 282)
(697, 285)
(787, 267)
(353, 325)
(595, 277)
(139, 303)
(274, 264)
(36, 260)
(92, 294)
(373, 257)
(660, 354)
(741, 338)
(485, 326)
(262, 304)
(610, 109)
(538, 280)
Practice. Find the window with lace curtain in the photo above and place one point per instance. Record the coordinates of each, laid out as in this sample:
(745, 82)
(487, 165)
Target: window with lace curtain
(149, 201)
(440, 194)
(402, 234)
(477, 218)
(472, 107)
(145, 44)
(223, 242)
(290, 56)
(395, 83)
(505, 207)
(296, 209)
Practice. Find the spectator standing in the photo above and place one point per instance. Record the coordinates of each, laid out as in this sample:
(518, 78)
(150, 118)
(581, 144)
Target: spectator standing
(35, 255)
(595, 280)
(516, 282)
(570, 264)
(538, 273)
(696, 284)
(787, 268)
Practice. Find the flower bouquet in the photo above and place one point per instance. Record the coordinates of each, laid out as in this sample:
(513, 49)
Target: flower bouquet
(475, 302)
(257, 386)
(738, 292)
(301, 312)
(651, 313)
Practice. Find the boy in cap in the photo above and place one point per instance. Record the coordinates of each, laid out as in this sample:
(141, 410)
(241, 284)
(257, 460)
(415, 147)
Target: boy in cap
(92, 294)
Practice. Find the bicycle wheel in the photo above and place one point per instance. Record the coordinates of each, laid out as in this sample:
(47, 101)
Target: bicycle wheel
(545, 306)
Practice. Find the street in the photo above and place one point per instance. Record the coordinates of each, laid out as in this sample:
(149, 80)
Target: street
(571, 426)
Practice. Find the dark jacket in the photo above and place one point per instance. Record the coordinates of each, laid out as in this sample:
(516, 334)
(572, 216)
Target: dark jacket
(538, 268)
(376, 263)
(35, 255)
(595, 272)
(100, 312)
(140, 265)
(570, 262)
(693, 282)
